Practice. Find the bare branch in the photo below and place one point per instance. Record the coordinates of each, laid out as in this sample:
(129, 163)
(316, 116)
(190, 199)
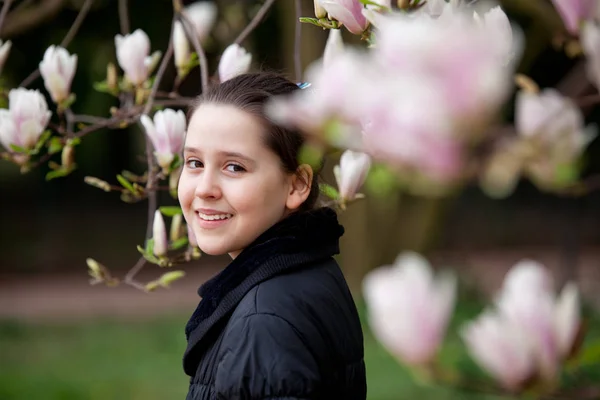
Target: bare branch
(66, 41)
(123, 17)
(190, 31)
(4, 11)
(298, 42)
(255, 21)
(159, 74)
(133, 272)
(24, 18)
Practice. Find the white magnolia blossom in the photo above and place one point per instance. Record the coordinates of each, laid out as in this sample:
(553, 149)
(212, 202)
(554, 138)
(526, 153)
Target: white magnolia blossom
(58, 69)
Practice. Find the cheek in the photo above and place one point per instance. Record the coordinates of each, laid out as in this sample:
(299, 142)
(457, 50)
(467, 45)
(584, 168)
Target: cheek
(185, 191)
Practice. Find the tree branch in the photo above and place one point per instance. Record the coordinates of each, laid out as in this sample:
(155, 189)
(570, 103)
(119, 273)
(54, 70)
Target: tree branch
(298, 42)
(123, 17)
(255, 21)
(4, 11)
(190, 31)
(67, 39)
(27, 18)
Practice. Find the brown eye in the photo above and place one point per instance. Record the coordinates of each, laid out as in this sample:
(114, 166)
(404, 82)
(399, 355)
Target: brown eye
(236, 168)
(194, 164)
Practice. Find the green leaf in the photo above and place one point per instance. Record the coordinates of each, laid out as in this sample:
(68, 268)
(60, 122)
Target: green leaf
(170, 211)
(57, 173)
(150, 246)
(590, 355)
(55, 145)
(371, 3)
(125, 183)
(329, 191)
(311, 155)
(17, 149)
(41, 141)
(307, 20)
(179, 243)
(566, 174)
(170, 277)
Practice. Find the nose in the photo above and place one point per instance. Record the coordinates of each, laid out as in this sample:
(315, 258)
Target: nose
(207, 186)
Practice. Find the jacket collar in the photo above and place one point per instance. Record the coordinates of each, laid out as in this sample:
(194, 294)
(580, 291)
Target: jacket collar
(299, 239)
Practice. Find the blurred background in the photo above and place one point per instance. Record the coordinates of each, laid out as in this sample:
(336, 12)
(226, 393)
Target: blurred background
(61, 338)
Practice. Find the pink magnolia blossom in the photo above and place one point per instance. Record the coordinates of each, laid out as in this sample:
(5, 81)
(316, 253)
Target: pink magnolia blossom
(167, 133)
(159, 235)
(531, 332)
(590, 41)
(58, 69)
(234, 61)
(348, 12)
(25, 120)
(133, 55)
(409, 309)
(351, 173)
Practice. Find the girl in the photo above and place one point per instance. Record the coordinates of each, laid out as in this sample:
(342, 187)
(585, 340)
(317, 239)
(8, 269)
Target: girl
(279, 321)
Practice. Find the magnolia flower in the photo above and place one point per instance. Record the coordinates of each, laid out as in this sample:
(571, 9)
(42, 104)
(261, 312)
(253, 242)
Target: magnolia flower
(181, 47)
(159, 235)
(351, 173)
(496, 25)
(333, 47)
(25, 120)
(234, 61)
(348, 12)
(133, 55)
(573, 12)
(58, 68)
(531, 332)
(320, 12)
(409, 309)
(203, 15)
(167, 134)
(4, 50)
(590, 41)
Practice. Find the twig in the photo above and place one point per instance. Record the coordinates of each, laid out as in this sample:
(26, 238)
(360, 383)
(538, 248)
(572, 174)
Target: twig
(133, 272)
(190, 31)
(587, 101)
(255, 21)
(88, 119)
(85, 8)
(123, 17)
(298, 42)
(159, 74)
(4, 11)
(65, 42)
(70, 122)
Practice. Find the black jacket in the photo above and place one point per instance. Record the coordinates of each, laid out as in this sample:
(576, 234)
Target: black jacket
(279, 321)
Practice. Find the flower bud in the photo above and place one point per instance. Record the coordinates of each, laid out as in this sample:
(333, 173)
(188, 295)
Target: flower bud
(234, 61)
(58, 68)
(333, 47)
(176, 225)
(4, 50)
(320, 12)
(496, 25)
(181, 48)
(202, 15)
(25, 120)
(348, 12)
(408, 308)
(133, 55)
(111, 76)
(351, 173)
(167, 134)
(159, 235)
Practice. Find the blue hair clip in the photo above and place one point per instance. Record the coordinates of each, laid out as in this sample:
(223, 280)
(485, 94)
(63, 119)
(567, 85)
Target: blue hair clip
(303, 85)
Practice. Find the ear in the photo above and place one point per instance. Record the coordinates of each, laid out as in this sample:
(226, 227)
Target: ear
(300, 186)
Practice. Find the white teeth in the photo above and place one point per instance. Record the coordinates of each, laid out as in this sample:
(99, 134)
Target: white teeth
(214, 217)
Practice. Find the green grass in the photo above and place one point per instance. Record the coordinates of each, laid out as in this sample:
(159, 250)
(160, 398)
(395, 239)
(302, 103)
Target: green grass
(116, 359)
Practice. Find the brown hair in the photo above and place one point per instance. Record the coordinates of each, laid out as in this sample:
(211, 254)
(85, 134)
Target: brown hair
(250, 92)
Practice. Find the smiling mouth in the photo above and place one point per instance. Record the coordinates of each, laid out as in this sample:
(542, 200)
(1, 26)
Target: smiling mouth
(214, 217)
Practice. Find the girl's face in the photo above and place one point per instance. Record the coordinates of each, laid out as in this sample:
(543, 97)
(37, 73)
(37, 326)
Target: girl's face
(232, 187)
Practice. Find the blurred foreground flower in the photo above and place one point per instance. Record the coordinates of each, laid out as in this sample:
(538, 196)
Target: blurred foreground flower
(25, 120)
(574, 12)
(58, 69)
(167, 133)
(409, 309)
(530, 333)
(235, 61)
(590, 42)
(347, 12)
(416, 101)
(351, 173)
(4, 50)
(133, 55)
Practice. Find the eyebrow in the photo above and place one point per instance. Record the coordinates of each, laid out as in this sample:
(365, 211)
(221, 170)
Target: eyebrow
(223, 154)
